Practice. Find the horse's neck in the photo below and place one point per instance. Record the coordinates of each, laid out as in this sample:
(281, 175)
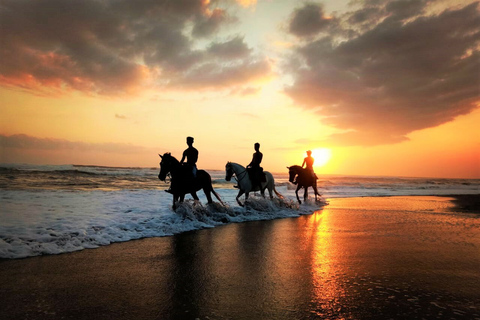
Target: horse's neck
(175, 167)
(296, 169)
(237, 168)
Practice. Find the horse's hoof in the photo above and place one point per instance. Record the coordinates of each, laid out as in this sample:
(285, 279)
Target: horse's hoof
(300, 202)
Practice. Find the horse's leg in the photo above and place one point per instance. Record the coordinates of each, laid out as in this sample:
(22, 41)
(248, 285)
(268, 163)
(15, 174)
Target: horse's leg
(305, 194)
(315, 190)
(207, 192)
(270, 192)
(296, 192)
(182, 197)
(240, 192)
(194, 195)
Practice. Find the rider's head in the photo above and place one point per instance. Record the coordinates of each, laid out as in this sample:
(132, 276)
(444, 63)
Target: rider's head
(309, 153)
(257, 146)
(189, 141)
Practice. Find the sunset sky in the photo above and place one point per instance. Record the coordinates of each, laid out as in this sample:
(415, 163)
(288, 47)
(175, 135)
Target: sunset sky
(373, 87)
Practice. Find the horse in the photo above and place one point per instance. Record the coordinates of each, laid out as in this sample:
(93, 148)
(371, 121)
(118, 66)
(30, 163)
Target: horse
(304, 180)
(245, 184)
(183, 182)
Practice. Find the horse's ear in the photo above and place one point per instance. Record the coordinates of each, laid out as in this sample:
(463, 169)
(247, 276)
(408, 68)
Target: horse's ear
(160, 155)
(288, 168)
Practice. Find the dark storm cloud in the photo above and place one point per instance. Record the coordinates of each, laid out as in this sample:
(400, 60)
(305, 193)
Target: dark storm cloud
(105, 47)
(407, 71)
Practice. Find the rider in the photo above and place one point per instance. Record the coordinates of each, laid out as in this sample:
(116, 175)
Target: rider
(308, 163)
(254, 169)
(192, 156)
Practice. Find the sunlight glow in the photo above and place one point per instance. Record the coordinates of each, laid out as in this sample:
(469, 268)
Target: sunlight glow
(321, 156)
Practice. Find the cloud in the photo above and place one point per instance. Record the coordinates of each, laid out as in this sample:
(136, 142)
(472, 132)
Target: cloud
(211, 75)
(208, 25)
(235, 48)
(22, 141)
(309, 20)
(120, 116)
(400, 70)
(110, 47)
(249, 91)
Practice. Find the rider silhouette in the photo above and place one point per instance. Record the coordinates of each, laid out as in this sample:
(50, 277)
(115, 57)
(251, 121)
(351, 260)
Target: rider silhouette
(308, 163)
(192, 156)
(254, 169)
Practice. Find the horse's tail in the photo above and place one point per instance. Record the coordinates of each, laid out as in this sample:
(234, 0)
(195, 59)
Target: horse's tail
(217, 196)
(209, 187)
(277, 193)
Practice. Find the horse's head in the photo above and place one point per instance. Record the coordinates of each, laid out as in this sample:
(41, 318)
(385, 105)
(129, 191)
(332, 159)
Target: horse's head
(228, 171)
(292, 172)
(166, 165)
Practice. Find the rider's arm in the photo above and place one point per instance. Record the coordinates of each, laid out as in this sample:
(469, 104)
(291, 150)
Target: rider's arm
(251, 162)
(183, 157)
(304, 160)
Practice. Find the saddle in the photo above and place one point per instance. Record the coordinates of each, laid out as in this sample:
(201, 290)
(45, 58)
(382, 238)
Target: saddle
(257, 174)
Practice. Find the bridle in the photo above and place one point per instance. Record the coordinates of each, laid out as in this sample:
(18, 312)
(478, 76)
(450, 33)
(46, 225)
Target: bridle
(238, 176)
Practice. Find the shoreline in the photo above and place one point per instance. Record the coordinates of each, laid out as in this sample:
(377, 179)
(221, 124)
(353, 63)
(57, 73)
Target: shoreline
(358, 258)
(462, 203)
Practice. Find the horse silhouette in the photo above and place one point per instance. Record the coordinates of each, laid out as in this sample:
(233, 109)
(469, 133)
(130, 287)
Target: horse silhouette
(183, 182)
(245, 184)
(304, 180)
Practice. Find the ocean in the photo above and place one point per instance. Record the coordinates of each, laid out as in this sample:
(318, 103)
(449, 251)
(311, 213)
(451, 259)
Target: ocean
(51, 209)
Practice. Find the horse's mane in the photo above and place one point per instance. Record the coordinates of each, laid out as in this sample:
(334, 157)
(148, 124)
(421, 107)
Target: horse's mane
(295, 167)
(169, 155)
(234, 163)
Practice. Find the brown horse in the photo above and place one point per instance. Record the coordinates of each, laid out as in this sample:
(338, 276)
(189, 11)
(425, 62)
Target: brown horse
(183, 181)
(304, 180)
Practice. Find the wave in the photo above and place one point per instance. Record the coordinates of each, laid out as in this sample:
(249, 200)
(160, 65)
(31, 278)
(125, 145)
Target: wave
(79, 221)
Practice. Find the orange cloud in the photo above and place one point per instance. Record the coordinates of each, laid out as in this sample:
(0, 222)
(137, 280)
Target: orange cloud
(247, 3)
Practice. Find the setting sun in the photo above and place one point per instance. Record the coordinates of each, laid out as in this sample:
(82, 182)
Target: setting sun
(321, 156)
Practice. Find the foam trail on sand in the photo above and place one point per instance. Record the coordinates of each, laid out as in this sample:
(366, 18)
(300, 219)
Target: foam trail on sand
(53, 222)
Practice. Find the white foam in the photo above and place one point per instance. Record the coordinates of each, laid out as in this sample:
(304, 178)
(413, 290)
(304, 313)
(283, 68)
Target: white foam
(52, 222)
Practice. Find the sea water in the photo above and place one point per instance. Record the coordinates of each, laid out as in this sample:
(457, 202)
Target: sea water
(57, 209)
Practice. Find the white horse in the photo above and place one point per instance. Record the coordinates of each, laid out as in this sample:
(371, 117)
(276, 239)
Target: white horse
(245, 184)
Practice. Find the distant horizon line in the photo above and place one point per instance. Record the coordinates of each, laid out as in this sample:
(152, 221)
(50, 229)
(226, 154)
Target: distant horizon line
(210, 169)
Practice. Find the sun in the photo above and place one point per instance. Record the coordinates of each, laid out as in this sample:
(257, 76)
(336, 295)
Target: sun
(321, 156)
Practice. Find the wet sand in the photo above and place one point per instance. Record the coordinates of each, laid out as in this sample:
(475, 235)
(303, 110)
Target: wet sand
(359, 258)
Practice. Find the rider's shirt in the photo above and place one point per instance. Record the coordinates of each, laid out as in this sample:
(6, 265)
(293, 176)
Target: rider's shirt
(256, 160)
(192, 155)
(309, 163)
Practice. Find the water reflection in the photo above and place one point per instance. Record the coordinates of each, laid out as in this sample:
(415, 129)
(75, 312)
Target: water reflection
(325, 267)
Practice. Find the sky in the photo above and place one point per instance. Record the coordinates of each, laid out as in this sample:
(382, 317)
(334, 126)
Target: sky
(372, 87)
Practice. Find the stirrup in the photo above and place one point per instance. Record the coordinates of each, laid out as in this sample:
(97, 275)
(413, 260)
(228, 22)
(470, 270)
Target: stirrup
(236, 187)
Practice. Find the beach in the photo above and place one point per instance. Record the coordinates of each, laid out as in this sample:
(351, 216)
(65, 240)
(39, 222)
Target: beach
(408, 257)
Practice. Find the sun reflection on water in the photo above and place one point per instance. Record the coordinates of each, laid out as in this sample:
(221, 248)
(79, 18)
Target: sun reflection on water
(325, 268)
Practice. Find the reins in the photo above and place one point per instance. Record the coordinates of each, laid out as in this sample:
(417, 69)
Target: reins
(237, 175)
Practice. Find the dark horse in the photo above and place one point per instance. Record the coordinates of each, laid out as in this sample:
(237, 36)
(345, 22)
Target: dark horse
(304, 180)
(183, 181)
